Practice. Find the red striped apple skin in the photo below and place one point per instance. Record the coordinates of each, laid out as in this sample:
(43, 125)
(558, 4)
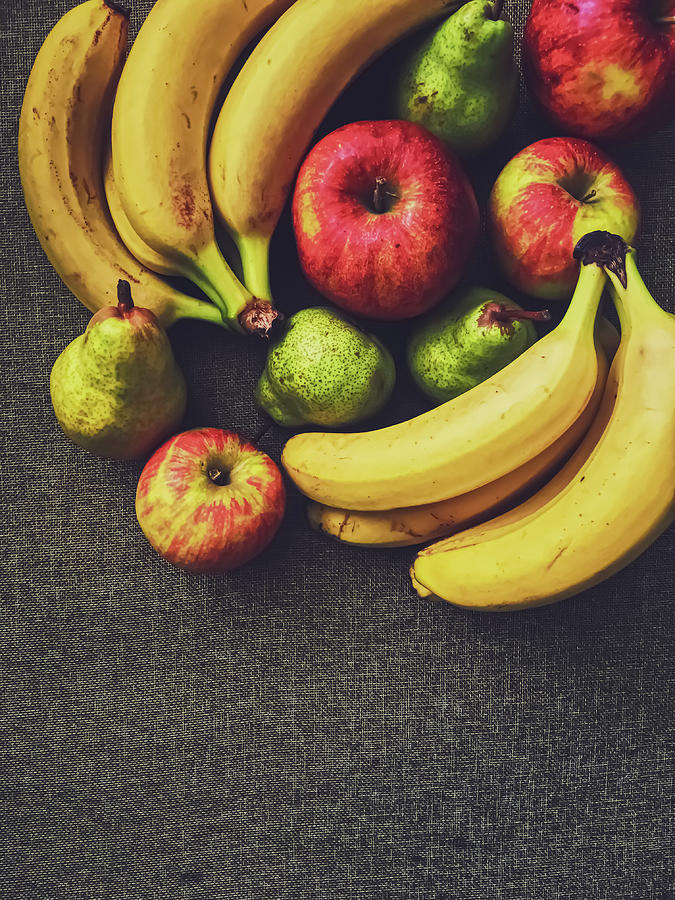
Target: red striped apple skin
(602, 69)
(395, 263)
(547, 197)
(198, 524)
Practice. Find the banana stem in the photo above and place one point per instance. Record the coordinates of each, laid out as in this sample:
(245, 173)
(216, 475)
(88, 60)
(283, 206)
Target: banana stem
(212, 274)
(118, 8)
(586, 297)
(254, 251)
(634, 303)
(191, 308)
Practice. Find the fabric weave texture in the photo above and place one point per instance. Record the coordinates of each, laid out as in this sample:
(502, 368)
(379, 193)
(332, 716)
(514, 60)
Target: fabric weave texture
(304, 727)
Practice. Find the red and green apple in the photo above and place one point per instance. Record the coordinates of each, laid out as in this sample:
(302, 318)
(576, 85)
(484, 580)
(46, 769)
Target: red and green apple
(208, 501)
(545, 198)
(385, 219)
(602, 69)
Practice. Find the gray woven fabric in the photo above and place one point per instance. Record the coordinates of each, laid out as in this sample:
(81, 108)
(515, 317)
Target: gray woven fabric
(305, 727)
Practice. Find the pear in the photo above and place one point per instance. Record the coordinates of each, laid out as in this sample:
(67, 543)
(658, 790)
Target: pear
(466, 340)
(117, 389)
(324, 370)
(461, 81)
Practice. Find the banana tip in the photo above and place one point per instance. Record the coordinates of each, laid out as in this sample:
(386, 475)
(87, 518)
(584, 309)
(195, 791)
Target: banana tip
(124, 11)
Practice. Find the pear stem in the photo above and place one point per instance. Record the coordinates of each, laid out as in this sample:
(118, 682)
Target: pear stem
(497, 9)
(501, 314)
(589, 196)
(124, 299)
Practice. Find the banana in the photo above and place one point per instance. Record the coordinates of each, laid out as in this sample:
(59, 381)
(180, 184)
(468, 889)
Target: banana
(131, 240)
(614, 497)
(278, 100)
(161, 117)
(469, 441)
(411, 525)
(64, 119)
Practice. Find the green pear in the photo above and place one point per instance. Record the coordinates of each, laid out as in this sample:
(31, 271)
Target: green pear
(461, 82)
(467, 339)
(117, 389)
(324, 370)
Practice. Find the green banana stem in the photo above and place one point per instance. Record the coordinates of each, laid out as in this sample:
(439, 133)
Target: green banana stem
(191, 308)
(254, 251)
(585, 300)
(239, 308)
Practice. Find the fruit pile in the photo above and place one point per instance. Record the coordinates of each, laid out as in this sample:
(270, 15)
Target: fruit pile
(520, 481)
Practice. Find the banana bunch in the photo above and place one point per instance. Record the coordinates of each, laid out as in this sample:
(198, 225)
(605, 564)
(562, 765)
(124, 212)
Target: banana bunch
(606, 505)
(572, 514)
(112, 154)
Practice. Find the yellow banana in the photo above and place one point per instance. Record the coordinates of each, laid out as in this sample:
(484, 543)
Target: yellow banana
(614, 497)
(469, 441)
(64, 120)
(161, 117)
(278, 100)
(131, 240)
(411, 525)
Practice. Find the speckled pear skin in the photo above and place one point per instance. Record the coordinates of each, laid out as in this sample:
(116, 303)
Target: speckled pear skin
(324, 370)
(461, 82)
(117, 390)
(450, 352)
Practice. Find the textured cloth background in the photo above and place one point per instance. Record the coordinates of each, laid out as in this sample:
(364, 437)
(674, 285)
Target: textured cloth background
(305, 727)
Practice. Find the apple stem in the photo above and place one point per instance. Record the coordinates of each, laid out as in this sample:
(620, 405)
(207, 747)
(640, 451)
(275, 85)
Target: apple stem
(124, 299)
(665, 20)
(218, 476)
(589, 196)
(497, 9)
(379, 203)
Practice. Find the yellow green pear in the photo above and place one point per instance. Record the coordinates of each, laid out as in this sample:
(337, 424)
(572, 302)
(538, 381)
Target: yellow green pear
(117, 390)
(461, 81)
(324, 370)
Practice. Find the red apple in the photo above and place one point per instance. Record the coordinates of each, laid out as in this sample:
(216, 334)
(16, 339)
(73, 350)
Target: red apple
(385, 219)
(602, 68)
(208, 501)
(547, 197)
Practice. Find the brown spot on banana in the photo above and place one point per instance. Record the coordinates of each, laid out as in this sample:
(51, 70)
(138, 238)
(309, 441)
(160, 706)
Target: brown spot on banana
(183, 203)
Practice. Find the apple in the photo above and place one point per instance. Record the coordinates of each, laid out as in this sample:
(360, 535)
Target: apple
(385, 219)
(547, 197)
(602, 69)
(208, 501)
